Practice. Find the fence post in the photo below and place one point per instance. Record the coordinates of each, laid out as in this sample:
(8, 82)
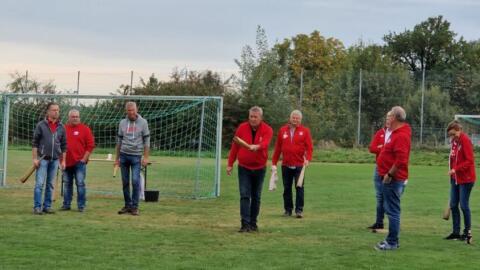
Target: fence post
(421, 107)
(359, 107)
(301, 88)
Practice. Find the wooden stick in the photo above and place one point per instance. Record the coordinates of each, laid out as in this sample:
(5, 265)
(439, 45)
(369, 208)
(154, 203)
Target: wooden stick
(300, 177)
(241, 142)
(446, 211)
(27, 174)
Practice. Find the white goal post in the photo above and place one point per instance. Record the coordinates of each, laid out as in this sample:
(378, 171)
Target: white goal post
(186, 134)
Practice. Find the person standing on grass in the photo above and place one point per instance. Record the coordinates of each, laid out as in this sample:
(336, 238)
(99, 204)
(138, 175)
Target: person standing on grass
(462, 178)
(294, 143)
(252, 160)
(376, 146)
(393, 168)
(80, 143)
(49, 145)
(133, 140)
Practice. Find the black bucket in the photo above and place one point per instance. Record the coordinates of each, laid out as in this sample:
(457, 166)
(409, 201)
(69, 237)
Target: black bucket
(151, 195)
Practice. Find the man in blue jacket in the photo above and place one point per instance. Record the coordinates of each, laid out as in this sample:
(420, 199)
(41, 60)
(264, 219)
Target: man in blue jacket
(49, 147)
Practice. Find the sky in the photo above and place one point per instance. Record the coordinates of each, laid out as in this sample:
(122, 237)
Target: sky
(107, 39)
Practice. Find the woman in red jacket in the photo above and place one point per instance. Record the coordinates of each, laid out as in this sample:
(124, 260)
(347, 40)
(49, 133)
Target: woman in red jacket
(462, 178)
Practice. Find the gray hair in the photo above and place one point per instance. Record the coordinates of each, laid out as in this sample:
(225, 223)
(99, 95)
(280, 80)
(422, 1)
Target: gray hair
(399, 113)
(296, 112)
(73, 111)
(256, 109)
(130, 104)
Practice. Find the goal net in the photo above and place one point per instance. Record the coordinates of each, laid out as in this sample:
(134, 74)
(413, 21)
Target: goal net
(185, 139)
(471, 126)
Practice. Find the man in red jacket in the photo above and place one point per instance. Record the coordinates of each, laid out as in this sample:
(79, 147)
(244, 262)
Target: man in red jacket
(393, 168)
(80, 144)
(294, 143)
(252, 159)
(376, 147)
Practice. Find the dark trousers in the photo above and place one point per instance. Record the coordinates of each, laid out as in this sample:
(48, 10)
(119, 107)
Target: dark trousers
(460, 194)
(290, 177)
(250, 183)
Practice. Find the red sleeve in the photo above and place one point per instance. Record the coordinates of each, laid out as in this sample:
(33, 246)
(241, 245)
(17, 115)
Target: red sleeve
(267, 137)
(309, 145)
(376, 141)
(401, 150)
(278, 148)
(467, 150)
(90, 140)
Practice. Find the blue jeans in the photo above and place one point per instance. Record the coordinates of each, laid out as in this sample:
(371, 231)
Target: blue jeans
(378, 184)
(250, 184)
(290, 177)
(77, 172)
(133, 163)
(460, 194)
(45, 173)
(392, 192)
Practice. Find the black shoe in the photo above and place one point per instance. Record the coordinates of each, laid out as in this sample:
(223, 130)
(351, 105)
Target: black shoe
(287, 213)
(253, 227)
(48, 211)
(453, 236)
(124, 210)
(375, 226)
(65, 208)
(299, 214)
(244, 228)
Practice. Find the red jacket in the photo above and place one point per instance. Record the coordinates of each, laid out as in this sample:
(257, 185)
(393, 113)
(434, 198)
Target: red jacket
(462, 160)
(396, 151)
(252, 160)
(294, 150)
(79, 140)
(377, 143)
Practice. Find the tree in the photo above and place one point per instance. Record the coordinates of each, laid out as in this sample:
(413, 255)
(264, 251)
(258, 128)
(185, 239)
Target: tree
(22, 85)
(429, 43)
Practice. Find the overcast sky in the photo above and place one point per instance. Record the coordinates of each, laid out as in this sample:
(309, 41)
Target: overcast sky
(152, 36)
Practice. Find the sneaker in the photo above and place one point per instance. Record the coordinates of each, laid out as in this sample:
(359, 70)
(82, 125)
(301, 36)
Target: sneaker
(384, 245)
(253, 227)
(375, 226)
(453, 236)
(81, 210)
(287, 213)
(134, 212)
(299, 215)
(48, 211)
(37, 211)
(65, 208)
(244, 228)
(124, 210)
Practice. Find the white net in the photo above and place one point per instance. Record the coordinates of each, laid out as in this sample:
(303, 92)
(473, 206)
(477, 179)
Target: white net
(185, 137)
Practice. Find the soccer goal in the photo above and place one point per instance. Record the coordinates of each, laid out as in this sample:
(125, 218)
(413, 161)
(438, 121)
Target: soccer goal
(471, 126)
(185, 139)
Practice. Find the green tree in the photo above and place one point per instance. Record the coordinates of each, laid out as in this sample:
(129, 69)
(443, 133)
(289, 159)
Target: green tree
(430, 43)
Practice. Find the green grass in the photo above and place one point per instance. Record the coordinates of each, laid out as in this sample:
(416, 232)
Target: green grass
(201, 234)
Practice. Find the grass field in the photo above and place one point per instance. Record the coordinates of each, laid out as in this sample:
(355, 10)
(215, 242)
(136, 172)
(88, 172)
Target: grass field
(202, 234)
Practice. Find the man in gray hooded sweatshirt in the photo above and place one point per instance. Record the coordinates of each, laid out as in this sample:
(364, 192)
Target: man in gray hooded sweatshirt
(133, 140)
